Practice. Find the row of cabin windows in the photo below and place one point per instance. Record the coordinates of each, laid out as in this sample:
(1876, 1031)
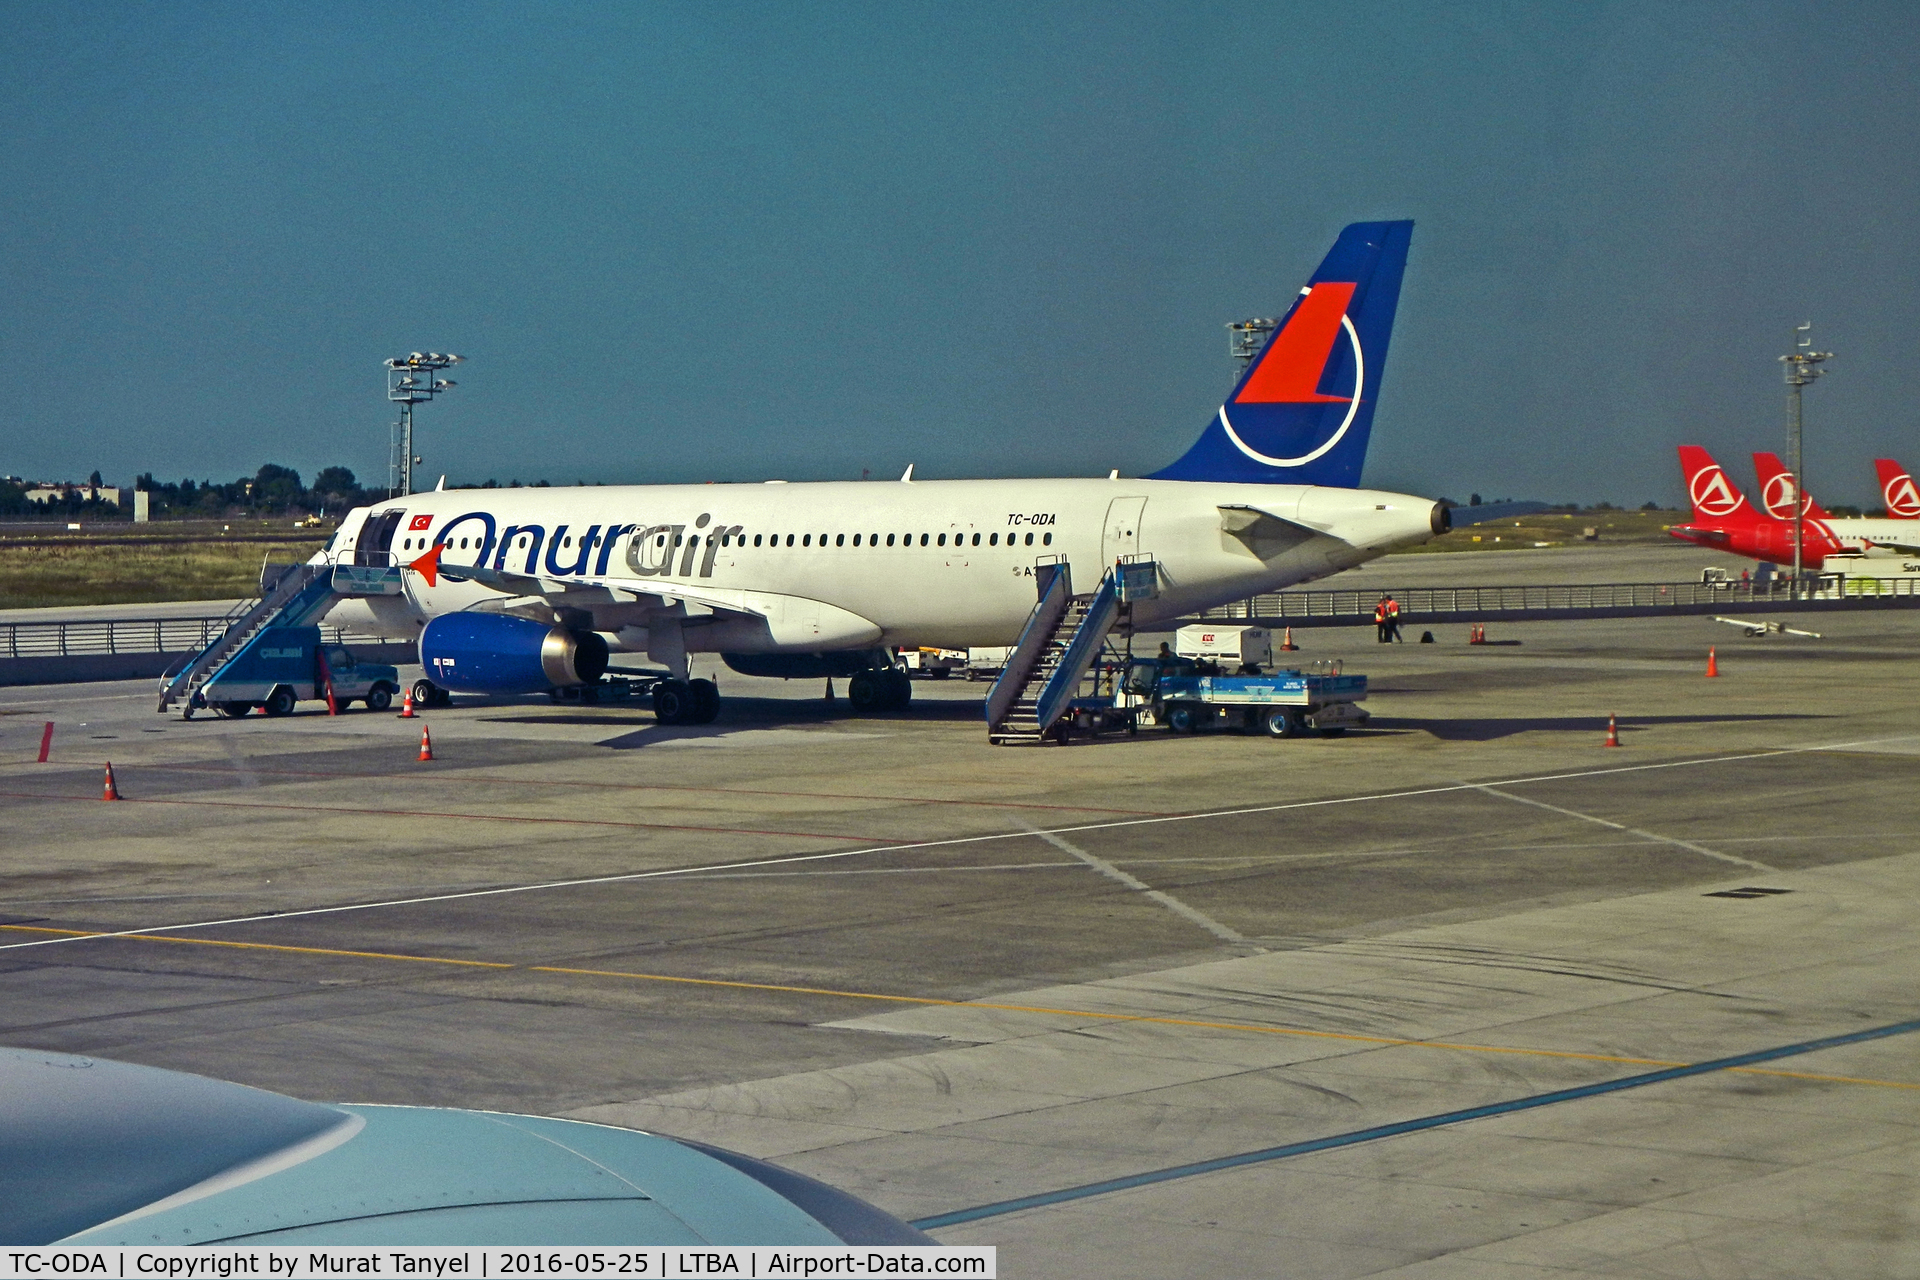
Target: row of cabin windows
(873, 539)
(805, 540)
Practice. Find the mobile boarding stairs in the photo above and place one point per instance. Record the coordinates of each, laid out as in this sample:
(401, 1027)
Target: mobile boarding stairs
(1062, 639)
(299, 597)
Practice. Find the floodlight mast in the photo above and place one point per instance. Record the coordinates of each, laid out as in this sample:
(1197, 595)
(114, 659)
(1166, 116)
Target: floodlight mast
(1246, 337)
(1802, 366)
(411, 380)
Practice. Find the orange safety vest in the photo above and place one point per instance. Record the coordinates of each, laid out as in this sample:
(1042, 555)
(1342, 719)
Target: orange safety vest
(1380, 612)
(1393, 609)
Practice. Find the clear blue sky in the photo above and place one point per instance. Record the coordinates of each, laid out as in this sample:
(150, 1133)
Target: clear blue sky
(731, 242)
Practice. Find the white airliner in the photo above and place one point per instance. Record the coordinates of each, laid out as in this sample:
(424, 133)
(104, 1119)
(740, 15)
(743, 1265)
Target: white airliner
(524, 590)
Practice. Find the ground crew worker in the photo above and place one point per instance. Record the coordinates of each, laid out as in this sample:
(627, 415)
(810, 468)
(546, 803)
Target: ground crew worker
(1393, 620)
(1380, 619)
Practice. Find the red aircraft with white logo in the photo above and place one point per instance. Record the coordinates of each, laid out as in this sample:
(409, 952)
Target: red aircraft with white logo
(1897, 490)
(1724, 520)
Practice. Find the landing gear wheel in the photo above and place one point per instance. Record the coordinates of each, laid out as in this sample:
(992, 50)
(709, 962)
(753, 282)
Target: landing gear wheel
(899, 689)
(1182, 719)
(706, 701)
(672, 702)
(232, 710)
(865, 693)
(427, 694)
(279, 702)
(1283, 724)
(380, 697)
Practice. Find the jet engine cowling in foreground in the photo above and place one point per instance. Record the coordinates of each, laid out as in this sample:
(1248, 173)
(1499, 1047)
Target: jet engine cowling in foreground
(473, 652)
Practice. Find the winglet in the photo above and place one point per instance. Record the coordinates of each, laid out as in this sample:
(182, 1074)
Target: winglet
(907, 477)
(428, 565)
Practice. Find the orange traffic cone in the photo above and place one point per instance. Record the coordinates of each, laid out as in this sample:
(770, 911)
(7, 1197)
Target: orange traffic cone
(1287, 642)
(406, 705)
(1713, 664)
(1613, 733)
(1477, 636)
(426, 743)
(111, 792)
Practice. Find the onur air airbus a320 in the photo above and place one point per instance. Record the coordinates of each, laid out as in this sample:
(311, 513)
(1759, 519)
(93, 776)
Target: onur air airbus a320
(527, 590)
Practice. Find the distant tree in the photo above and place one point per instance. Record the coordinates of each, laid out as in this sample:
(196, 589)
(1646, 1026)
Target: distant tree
(337, 489)
(1473, 500)
(94, 481)
(276, 488)
(1650, 506)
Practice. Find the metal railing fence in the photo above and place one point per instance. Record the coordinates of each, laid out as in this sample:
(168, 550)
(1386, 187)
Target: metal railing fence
(131, 635)
(1652, 597)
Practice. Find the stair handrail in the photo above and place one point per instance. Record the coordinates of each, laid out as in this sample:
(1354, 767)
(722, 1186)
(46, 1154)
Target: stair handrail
(283, 592)
(1081, 651)
(1046, 615)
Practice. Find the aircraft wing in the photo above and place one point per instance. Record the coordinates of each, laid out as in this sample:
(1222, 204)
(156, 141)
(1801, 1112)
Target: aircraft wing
(790, 620)
(1903, 548)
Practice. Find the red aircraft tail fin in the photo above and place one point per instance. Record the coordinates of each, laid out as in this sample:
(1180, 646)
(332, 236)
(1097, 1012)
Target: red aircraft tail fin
(1777, 489)
(1897, 490)
(1714, 497)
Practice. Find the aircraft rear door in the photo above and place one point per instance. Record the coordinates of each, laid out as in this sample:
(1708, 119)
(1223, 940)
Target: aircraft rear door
(1121, 536)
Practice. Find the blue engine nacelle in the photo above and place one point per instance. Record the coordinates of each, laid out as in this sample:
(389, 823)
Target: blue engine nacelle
(502, 653)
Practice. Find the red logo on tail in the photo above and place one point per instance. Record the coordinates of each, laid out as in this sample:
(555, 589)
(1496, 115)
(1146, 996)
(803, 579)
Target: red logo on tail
(1289, 372)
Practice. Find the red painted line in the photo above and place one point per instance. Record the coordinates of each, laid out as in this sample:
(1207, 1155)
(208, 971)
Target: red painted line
(46, 742)
(476, 817)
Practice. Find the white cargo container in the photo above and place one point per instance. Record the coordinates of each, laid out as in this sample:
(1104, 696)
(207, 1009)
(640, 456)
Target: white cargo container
(1230, 647)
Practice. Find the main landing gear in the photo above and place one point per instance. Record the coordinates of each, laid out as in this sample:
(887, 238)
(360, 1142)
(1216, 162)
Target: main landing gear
(886, 690)
(686, 701)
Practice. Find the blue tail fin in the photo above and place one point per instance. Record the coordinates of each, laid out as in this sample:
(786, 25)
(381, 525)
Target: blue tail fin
(1302, 413)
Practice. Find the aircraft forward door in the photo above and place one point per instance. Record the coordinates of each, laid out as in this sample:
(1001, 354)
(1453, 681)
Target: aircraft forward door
(373, 546)
(1121, 536)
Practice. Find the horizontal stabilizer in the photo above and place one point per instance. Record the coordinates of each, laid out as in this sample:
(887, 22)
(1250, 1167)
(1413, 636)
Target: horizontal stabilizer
(1489, 511)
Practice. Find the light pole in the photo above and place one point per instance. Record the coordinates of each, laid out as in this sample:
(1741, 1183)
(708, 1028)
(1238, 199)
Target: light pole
(411, 381)
(1246, 337)
(1802, 367)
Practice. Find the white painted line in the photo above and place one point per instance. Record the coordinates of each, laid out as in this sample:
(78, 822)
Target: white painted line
(1167, 900)
(792, 859)
(1632, 831)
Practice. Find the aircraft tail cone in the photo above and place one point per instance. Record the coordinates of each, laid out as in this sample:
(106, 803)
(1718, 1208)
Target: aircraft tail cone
(426, 743)
(406, 705)
(1713, 663)
(1613, 732)
(112, 789)
(1287, 641)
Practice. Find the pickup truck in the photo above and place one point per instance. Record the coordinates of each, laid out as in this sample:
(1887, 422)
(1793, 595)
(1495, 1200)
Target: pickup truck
(281, 667)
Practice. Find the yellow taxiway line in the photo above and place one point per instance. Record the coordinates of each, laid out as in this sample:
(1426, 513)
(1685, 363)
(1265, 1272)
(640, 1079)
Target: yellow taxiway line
(938, 1002)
